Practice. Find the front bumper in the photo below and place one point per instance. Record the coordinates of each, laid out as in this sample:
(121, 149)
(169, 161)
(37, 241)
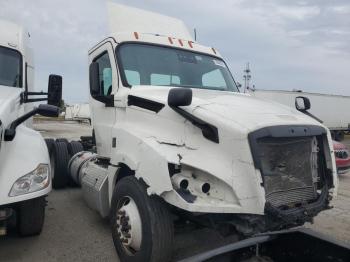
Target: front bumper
(343, 170)
(343, 165)
(13, 200)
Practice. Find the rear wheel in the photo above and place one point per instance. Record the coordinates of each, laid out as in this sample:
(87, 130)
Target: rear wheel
(30, 217)
(64, 140)
(59, 165)
(142, 227)
(73, 147)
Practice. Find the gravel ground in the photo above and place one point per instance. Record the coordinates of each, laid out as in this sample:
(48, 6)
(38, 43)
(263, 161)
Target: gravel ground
(73, 232)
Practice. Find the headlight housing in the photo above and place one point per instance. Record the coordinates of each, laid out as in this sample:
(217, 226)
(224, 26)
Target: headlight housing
(34, 181)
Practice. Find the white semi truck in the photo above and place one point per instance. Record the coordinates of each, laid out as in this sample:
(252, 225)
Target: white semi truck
(176, 141)
(25, 177)
(333, 110)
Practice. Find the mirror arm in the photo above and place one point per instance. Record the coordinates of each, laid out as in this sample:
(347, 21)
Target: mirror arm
(311, 115)
(25, 99)
(37, 93)
(11, 131)
(29, 100)
(209, 131)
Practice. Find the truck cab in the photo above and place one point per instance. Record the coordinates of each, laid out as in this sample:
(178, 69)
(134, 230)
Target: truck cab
(25, 177)
(175, 138)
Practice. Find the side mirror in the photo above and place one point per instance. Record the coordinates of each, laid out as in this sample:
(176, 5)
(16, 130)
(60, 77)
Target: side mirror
(94, 77)
(54, 91)
(44, 110)
(302, 103)
(48, 110)
(180, 97)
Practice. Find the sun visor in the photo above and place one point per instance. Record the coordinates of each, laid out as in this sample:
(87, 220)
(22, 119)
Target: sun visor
(129, 19)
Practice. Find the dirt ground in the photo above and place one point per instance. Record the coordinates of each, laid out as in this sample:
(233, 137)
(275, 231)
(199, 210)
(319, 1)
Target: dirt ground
(73, 232)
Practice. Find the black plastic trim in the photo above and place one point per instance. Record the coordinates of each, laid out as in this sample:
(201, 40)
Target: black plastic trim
(101, 43)
(108, 100)
(209, 131)
(145, 103)
(284, 131)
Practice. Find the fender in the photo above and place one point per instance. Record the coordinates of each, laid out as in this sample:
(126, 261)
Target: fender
(153, 168)
(18, 158)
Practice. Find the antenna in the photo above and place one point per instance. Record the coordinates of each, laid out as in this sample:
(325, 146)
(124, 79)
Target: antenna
(247, 77)
(195, 34)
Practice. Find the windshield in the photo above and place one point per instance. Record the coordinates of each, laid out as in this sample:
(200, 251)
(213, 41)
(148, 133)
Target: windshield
(143, 64)
(10, 67)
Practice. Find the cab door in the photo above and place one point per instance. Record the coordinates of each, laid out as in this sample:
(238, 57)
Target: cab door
(102, 112)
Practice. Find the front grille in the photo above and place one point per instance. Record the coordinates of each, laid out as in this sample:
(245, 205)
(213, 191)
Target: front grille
(289, 169)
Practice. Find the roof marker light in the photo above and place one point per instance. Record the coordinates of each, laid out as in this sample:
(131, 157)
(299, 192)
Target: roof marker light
(170, 40)
(190, 44)
(180, 42)
(136, 35)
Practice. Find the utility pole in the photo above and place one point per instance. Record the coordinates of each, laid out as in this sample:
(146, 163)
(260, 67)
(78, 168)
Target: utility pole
(247, 76)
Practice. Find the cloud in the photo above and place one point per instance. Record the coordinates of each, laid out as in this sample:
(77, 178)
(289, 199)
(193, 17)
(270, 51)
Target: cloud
(341, 9)
(61, 32)
(289, 44)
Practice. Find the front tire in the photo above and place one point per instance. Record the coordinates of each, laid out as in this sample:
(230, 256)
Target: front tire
(31, 216)
(142, 227)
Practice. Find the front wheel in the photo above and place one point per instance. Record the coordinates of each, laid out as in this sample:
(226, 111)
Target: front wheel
(30, 217)
(142, 227)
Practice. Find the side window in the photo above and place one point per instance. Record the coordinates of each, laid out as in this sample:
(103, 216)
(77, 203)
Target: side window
(213, 79)
(133, 77)
(105, 72)
(164, 80)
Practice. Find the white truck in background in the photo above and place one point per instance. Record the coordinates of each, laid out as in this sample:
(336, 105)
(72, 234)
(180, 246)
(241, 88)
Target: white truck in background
(25, 176)
(333, 110)
(78, 112)
(175, 141)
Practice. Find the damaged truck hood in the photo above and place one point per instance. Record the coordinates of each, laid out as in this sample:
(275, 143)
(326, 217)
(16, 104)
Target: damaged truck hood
(228, 108)
(151, 135)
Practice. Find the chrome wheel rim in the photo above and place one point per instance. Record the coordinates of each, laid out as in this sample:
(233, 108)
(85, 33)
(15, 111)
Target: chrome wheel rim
(129, 225)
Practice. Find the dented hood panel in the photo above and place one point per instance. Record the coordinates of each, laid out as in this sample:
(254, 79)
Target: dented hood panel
(231, 107)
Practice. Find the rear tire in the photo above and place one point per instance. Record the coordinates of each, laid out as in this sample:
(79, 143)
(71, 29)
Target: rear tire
(31, 216)
(59, 161)
(155, 231)
(64, 140)
(73, 147)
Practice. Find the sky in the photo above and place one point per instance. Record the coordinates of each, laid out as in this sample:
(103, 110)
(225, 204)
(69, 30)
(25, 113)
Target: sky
(302, 45)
